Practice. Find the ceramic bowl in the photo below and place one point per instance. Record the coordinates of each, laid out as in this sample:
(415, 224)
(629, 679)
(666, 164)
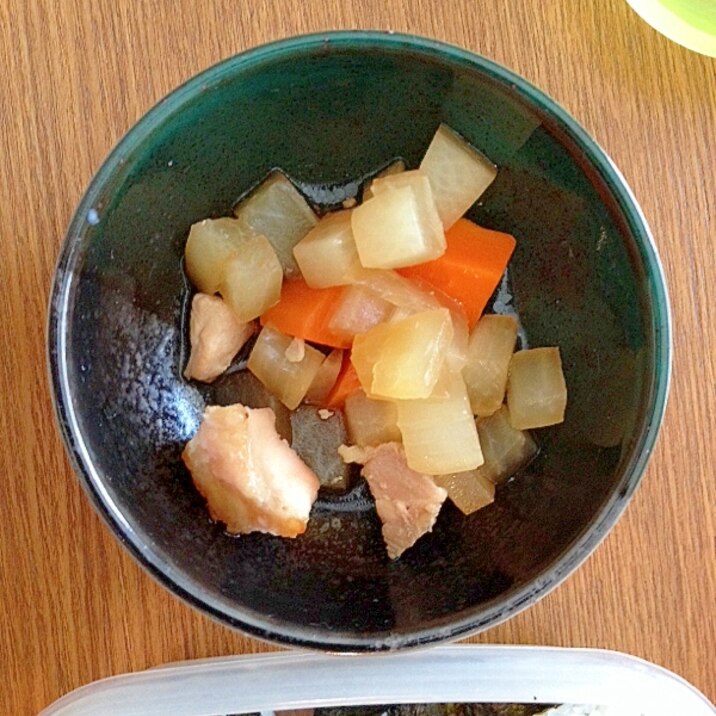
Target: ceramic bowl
(329, 109)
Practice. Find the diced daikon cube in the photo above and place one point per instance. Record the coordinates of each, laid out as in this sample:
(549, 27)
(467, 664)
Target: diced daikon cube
(456, 357)
(505, 449)
(536, 389)
(469, 491)
(393, 168)
(325, 377)
(287, 380)
(458, 173)
(327, 255)
(415, 178)
(398, 291)
(371, 422)
(252, 278)
(316, 439)
(210, 246)
(439, 434)
(359, 310)
(399, 227)
(278, 211)
(490, 350)
(403, 359)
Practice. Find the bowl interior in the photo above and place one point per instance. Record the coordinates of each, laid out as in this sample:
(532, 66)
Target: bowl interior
(329, 113)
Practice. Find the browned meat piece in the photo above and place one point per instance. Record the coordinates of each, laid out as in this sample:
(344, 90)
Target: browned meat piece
(216, 336)
(252, 480)
(407, 501)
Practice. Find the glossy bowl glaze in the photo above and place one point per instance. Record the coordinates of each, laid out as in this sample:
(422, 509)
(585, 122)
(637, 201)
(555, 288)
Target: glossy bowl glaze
(329, 109)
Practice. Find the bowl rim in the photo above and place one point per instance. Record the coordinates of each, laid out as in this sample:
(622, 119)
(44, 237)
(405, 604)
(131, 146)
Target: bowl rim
(488, 614)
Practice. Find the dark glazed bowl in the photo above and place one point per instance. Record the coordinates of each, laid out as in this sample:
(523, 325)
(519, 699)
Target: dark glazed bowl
(328, 109)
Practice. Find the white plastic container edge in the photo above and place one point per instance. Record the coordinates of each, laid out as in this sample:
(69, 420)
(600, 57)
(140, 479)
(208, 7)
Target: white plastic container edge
(450, 674)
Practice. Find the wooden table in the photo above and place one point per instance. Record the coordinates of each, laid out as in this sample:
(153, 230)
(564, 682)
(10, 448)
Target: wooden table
(76, 75)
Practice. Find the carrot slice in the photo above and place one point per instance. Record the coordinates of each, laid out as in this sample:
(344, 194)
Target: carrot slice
(305, 312)
(470, 268)
(346, 384)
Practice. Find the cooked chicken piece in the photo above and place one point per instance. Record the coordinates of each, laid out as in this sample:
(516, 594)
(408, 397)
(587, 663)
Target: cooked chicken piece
(216, 336)
(252, 480)
(407, 502)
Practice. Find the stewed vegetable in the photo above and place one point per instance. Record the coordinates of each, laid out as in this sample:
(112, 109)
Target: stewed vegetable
(371, 422)
(223, 258)
(399, 225)
(490, 349)
(458, 174)
(287, 374)
(327, 255)
(536, 390)
(278, 211)
(373, 316)
(403, 359)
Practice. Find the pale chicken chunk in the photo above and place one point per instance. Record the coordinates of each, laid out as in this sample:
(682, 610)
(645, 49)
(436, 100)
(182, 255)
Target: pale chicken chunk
(216, 336)
(252, 480)
(407, 502)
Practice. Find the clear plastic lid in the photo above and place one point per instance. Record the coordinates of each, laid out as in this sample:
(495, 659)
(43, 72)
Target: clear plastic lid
(451, 674)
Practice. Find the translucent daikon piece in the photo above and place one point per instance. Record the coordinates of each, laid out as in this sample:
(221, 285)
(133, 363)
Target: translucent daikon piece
(399, 227)
(398, 291)
(536, 389)
(289, 381)
(393, 168)
(490, 350)
(359, 310)
(327, 255)
(456, 355)
(429, 296)
(212, 243)
(469, 491)
(278, 211)
(252, 278)
(415, 178)
(371, 422)
(325, 378)
(215, 335)
(458, 174)
(403, 359)
(505, 448)
(316, 441)
(439, 434)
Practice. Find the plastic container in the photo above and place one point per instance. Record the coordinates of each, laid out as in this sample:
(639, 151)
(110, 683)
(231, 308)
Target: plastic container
(452, 674)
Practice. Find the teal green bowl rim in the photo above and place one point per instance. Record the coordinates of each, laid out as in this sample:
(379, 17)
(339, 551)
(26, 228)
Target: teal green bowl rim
(113, 171)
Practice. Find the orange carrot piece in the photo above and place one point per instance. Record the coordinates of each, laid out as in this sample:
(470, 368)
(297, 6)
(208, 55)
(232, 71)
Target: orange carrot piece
(470, 268)
(305, 312)
(346, 384)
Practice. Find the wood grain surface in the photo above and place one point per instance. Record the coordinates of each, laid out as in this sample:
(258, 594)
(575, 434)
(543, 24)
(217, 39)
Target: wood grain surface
(77, 74)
